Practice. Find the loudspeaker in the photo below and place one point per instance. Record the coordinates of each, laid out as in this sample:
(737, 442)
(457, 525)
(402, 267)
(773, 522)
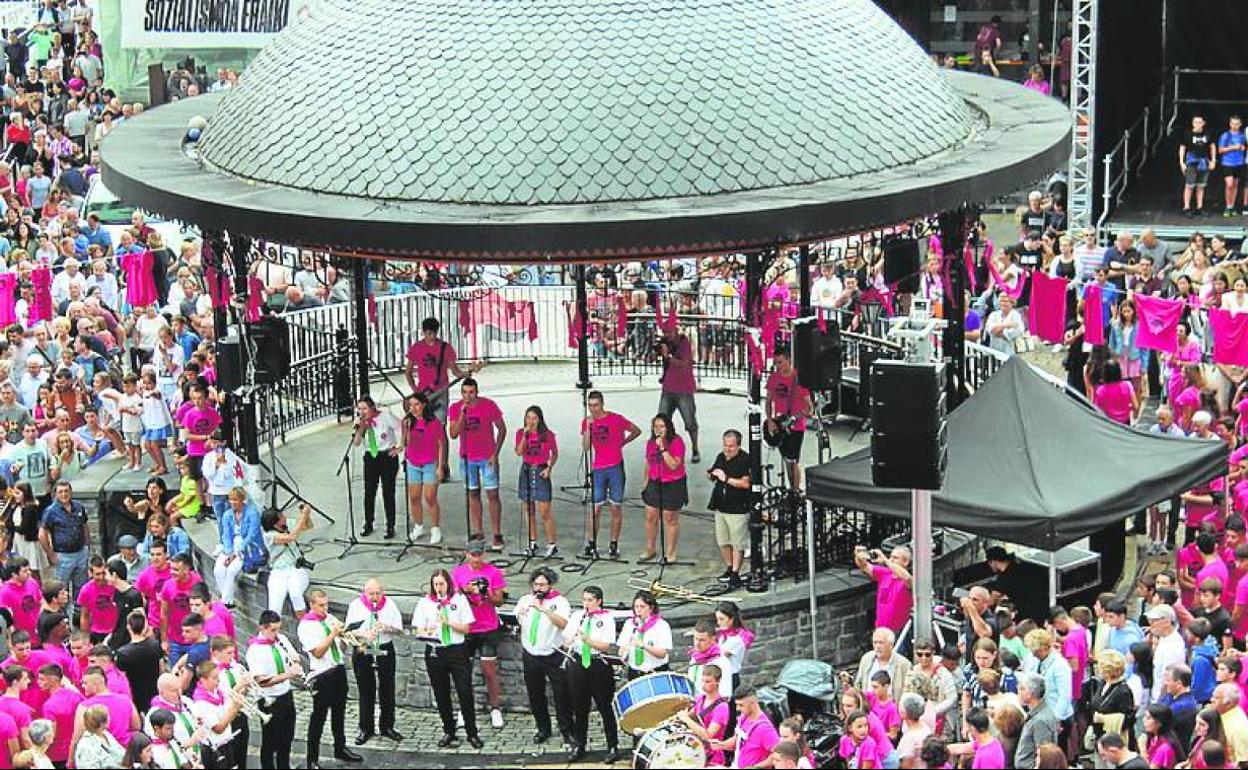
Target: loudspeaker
(902, 265)
(817, 355)
(231, 362)
(909, 434)
(248, 445)
(271, 337)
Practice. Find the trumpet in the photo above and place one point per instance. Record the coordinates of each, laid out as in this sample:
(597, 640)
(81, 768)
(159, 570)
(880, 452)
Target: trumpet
(292, 658)
(249, 700)
(675, 593)
(351, 638)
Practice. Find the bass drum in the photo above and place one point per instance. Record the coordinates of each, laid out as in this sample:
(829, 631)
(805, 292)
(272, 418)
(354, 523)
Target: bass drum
(669, 746)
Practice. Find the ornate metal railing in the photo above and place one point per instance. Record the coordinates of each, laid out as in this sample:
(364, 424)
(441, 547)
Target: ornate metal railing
(837, 530)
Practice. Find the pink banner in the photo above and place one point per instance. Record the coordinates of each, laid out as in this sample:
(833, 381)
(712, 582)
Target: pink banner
(1230, 337)
(1093, 316)
(1047, 311)
(1158, 322)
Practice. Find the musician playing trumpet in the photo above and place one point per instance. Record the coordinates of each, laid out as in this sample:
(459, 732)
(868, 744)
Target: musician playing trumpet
(232, 675)
(216, 711)
(272, 662)
(646, 639)
(590, 633)
(442, 619)
(319, 634)
(377, 621)
(543, 614)
(708, 717)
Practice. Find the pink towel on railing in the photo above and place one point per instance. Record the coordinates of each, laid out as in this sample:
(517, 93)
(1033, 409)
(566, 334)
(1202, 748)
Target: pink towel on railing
(1230, 337)
(573, 312)
(255, 298)
(8, 283)
(1047, 311)
(1159, 323)
(621, 317)
(1093, 316)
(41, 280)
(140, 284)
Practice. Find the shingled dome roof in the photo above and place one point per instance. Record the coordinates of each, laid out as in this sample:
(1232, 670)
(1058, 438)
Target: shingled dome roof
(582, 101)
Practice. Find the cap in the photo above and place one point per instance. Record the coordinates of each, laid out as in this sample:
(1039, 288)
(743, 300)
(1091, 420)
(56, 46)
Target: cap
(1161, 612)
(127, 541)
(997, 553)
(1034, 235)
(475, 546)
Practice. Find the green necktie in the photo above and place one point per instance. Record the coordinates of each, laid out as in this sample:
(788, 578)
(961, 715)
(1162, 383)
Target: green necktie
(229, 678)
(586, 655)
(446, 627)
(534, 622)
(372, 442)
(333, 647)
(278, 663)
(639, 651)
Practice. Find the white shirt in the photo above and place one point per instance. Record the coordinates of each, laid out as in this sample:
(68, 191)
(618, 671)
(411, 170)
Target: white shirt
(224, 476)
(261, 663)
(601, 628)
(184, 723)
(386, 427)
(230, 677)
(60, 285)
(426, 615)
(733, 649)
(312, 632)
(659, 634)
(163, 755)
(543, 639)
(210, 715)
(388, 615)
(725, 680)
(1168, 650)
(825, 291)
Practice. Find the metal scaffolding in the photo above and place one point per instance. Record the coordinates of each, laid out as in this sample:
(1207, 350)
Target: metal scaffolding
(1083, 113)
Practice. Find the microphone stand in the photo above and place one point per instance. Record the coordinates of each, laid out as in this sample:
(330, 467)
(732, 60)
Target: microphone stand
(345, 463)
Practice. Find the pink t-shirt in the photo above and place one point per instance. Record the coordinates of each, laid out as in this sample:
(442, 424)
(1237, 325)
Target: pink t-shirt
(858, 753)
(425, 356)
(1241, 600)
(200, 422)
(893, 599)
(657, 469)
(717, 716)
(1114, 399)
(21, 713)
(537, 449)
(887, 713)
(755, 740)
(1161, 753)
(606, 437)
(31, 696)
(24, 601)
(990, 756)
(179, 599)
(8, 731)
(120, 709)
(59, 709)
(1188, 399)
(883, 744)
(1214, 570)
(484, 614)
(476, 439)
(101, 607)
(221, 623)
(1076, 646)
(150, 583)
(679, 377)
(788, 397)
(1241, 406)
(423, 439)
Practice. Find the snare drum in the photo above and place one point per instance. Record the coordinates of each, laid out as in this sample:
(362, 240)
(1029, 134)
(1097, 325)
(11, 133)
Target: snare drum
(669, 745)
(648, 700)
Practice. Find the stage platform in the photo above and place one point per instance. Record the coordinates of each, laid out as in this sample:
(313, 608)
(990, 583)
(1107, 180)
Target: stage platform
(1155, 199)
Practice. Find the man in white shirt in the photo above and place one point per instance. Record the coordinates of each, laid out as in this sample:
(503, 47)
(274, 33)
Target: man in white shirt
(373, 616)
(272, 661)
(543, 614)
(327, 676)
(377, 433)
(1168, 646)
(216, 712)
(1004, 325)
(827, 288)
(61, 283)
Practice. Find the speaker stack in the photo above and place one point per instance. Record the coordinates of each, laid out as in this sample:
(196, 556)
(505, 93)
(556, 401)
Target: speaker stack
(270, 337)
(817, 355)
(902, 264)
(909, 432)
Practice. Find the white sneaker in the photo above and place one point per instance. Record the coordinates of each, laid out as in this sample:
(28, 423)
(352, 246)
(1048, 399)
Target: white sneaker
(435, 535)
(551, 550)
(496, 719)
(418, 531)
(459, 719)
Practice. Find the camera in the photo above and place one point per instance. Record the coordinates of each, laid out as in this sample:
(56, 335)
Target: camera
(482, 585)
(303, 563)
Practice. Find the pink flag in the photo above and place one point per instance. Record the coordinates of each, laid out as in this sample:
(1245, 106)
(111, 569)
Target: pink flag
(1230, 337)
(1047, 311)
(1159, 323)
(1014, 291)
(771, 327)
(255, 298)
(934, 249)
(1093, 316)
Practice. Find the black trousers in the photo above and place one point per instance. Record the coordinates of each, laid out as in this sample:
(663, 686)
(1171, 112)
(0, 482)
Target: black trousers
(217, 759)
(538, 670)
(369, 680)
(383, 469)
(278, 734)
(596, 685)
(329, 696)
(241, 742)
(447, 664)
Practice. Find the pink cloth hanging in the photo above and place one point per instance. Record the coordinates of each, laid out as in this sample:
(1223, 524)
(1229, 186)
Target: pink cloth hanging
(771, 327)
(1230, 337)
(1093, 316)
(371, 308)
(1159, 323)
(8, 297)
(41, 280)
(140, 285)
(1047, 311)
(573, 313)
(621, 317)
(1014, 291)
(255, 298)
(755, 353)
(218, 287)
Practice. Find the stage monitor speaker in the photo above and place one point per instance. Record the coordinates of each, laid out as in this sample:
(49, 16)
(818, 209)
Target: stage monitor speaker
(817, 355)
(909, 435)
(902, 265)
(231, 362)
(271, 337)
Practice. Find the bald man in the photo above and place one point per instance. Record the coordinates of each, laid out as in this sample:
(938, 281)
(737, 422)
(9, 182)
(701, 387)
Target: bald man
(980, 622)
(375, 618)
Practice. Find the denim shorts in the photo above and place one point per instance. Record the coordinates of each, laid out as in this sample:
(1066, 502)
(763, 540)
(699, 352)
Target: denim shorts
(479, 474)
(536, 486)
(609, 485)
(422, 474)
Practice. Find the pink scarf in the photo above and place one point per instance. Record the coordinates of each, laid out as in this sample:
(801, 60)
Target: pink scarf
(573, 312)
(261, 640)
(621, 316)
(215, 698)
(255, 298)
(706, 656)
(747, 636)
(646, 626)
(368, 603)
(1014, 291)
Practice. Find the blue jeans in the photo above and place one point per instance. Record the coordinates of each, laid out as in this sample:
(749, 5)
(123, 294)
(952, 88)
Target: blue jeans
(71, 570)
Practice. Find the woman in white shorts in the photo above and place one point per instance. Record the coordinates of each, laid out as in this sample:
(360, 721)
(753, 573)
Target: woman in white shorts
(287, 578)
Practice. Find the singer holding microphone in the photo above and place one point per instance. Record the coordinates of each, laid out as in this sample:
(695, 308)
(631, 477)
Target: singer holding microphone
(536, 446)
(543, 614)
(378, 433)
(478, 424)
(666, 488)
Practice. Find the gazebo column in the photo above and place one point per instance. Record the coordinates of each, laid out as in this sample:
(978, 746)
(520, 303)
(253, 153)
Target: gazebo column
(359, 320)
(803, 281)
(953, 227)
(582, 347)
(758, 580)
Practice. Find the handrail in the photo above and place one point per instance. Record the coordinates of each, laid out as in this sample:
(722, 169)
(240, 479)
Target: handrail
(1130, 154)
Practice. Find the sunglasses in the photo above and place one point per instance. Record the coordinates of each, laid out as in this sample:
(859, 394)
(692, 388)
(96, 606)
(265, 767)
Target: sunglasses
(922, 654)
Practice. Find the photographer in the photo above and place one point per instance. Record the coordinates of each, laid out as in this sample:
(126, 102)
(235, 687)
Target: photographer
(289, 571)
(730, 499)
(679, 384)
(894, 596)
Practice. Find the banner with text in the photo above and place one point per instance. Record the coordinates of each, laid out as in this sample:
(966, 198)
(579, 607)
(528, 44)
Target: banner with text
(205, 23)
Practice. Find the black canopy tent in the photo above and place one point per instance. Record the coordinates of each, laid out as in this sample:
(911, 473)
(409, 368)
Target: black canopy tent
(1032, 466)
